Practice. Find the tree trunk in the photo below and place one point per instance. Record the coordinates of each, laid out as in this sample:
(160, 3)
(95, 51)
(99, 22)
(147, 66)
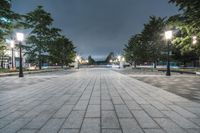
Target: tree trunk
(194, 63)
(39, 60)
(184, 63)
(2, 61)
(62, 64)
(135, 64)
(155, 64)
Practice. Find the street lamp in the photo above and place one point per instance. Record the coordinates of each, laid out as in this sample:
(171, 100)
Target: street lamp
(168, 37)
(77, 59)
(20, 38)
(121, 60)
(194, 39)
(12, 45)
(119, 57)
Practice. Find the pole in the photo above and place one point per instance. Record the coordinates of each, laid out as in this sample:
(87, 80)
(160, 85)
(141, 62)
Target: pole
(12, 60)
(20, 61)
(168, 73)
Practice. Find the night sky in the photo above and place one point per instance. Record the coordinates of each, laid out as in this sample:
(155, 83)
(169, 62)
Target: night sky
(98, 27)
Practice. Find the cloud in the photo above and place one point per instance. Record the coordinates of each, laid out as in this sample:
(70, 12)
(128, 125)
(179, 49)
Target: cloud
(99, 26)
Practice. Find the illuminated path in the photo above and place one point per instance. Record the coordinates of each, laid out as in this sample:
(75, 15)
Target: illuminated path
(96, 101)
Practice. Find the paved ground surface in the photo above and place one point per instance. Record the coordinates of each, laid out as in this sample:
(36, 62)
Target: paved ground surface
(13, 82)
(96, 101)
(188, 87)
(185, 85)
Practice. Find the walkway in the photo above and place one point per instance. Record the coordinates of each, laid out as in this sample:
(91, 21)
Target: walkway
(96, 101)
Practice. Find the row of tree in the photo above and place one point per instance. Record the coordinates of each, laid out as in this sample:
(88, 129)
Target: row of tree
(44, 44)
(149, 45)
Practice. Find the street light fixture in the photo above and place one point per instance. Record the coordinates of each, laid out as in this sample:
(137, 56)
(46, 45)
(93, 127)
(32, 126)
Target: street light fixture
(168, 37)
(12, 45)
(119, 57)
(194, 39)
(20, 38)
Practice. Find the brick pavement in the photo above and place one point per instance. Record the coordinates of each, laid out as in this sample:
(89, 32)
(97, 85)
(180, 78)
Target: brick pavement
(96, 101)
(184, 85)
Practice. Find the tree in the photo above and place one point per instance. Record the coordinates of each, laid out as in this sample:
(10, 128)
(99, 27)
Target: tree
(109, 57)
(191, 11)
(7, 19)
(39, 21)
(188, 24)
(62, 51)
(91, 61)
(184, 58)
(7, 23)
(152, 38)
(135, 50)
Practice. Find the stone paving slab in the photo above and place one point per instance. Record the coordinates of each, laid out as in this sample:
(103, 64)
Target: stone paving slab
(96, 101)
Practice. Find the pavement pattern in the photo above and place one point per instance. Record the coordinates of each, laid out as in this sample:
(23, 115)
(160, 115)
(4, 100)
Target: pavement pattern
(186, 85)
(96, 101)
(14, 82)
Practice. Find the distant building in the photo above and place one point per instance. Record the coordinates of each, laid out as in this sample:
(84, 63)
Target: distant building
(7, 59)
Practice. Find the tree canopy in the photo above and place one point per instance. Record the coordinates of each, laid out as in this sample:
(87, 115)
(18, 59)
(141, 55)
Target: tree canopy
(42, 34)
(62, 51)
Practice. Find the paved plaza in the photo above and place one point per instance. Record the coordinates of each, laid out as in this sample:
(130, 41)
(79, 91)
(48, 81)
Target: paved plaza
(94, 101)
(185, 85)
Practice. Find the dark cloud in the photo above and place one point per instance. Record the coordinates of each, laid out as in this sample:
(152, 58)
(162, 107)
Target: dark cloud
(98, 27)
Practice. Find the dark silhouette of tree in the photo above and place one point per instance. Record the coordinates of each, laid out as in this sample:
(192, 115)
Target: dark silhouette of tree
(62, 51)
(153, 39)
(135, 50)
(109, 57)
(91, 61)
(41, 35)
(188, 24)
(8, 21)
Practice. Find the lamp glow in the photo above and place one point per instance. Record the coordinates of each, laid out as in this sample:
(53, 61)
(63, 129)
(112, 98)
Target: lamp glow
(78, 58)
(20, 36)
(12, 44)
(123, 59)
(119, 57)
(168, 34)
(194, 39)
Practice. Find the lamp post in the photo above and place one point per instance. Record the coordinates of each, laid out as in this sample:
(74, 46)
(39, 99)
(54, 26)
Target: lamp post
(121, 61)
(194, 42)
(77, 59)
(12, 45)
(20, 38)
(168, 37)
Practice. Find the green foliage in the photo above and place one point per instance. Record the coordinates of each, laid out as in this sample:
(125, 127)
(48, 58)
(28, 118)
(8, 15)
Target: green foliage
(152, 37)
(7, 19)
(183, 39)
(135, 50)
(191, 12)
(188, 24)
(62, 51)
(41, 36)
(148, 45)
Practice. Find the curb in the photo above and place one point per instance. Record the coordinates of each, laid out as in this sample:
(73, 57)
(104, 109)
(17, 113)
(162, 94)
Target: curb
(28, 72)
